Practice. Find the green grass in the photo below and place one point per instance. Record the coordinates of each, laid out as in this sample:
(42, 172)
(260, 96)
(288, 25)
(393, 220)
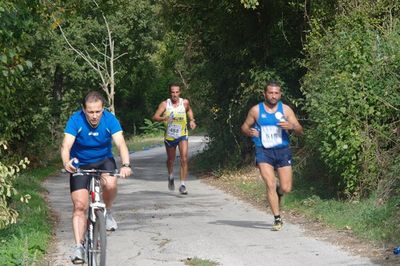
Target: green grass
(200, 262)
(26, 242)
(138, 143)
(366, 218)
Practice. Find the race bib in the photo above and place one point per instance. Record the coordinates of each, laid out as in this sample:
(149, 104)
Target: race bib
(174, 131)
(271, 136)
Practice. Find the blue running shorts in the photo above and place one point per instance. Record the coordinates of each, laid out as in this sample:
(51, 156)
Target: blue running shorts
(175, 142)
(277, 157)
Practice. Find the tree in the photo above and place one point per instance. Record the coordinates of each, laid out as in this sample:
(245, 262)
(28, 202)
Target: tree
(230, 51)
(105, 67)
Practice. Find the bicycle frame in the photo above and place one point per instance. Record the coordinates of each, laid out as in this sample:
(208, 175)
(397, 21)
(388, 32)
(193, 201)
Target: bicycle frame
(96, 241)
(95, 198)
(96, 205)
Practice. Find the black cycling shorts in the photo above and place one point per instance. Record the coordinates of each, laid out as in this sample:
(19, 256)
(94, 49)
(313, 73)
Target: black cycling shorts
(82, 182)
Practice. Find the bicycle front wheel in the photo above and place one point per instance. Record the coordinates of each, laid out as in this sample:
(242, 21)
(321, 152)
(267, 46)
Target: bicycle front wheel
(99, 243)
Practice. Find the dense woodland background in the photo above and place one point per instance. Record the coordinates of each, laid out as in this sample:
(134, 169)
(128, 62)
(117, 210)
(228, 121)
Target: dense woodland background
(338, 61)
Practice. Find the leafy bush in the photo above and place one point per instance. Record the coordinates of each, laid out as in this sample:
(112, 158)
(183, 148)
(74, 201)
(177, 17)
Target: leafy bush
(151, 127)
(8, 173)
(352, 96)
(24, 112)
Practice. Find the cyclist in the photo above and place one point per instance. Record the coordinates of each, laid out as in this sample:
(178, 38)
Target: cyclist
(88, 137)
(268, 123)
(174, 112)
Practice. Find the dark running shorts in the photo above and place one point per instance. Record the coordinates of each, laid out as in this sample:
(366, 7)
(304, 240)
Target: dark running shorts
(175, 142)
(277, 157)
(82, 182)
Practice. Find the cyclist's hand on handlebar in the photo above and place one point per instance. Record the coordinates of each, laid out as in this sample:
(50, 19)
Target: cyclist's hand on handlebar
(69, 167)
(125, 171)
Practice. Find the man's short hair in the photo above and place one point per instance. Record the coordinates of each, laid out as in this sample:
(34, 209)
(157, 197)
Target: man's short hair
(174, 84)
(93, 96)
(272, 83)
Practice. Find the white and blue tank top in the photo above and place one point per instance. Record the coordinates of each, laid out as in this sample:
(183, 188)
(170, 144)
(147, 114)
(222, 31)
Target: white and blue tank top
(271, 135)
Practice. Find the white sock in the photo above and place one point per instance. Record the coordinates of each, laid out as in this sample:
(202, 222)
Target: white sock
(182, 183)
(171, 177)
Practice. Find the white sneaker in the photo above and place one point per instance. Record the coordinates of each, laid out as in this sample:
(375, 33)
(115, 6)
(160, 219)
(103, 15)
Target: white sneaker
(183, 190)
(78, 256)
(111, 224)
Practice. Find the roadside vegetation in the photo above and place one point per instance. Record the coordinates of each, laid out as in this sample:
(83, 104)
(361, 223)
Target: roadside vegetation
(338, 63)
(366, 219)
(27, 241)
(200, 262)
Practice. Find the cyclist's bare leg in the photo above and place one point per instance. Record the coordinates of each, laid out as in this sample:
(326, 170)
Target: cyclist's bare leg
(285, 178)
(109, 190)
(171, 153)
(183, 152)
(80, 201)
(268, 175)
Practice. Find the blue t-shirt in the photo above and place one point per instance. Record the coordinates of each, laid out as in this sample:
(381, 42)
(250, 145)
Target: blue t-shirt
(271, 135)
(92, 144)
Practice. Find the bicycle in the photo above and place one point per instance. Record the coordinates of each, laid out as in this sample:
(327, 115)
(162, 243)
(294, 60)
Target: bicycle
(96, 238)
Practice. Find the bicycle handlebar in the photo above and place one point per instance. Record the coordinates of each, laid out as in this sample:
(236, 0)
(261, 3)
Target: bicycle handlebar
(97, 172)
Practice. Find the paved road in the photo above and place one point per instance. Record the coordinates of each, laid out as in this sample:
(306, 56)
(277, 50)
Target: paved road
(159, 227)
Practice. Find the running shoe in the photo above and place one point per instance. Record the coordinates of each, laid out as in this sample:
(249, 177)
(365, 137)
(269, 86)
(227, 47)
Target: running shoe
(278, 224)
(182, 190)
(78, 257)
(171, 184)
(111, 224)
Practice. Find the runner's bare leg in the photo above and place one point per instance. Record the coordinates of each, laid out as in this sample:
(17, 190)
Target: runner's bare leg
(171, 153)
(183, 152)
(268, 175)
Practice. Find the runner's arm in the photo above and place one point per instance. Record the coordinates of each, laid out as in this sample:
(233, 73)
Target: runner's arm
(190, 114)
(158, 115)
(119, 141)
(292, 123)
(249, 122)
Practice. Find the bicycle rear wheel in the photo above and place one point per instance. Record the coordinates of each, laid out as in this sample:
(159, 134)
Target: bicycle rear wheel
(97, 253)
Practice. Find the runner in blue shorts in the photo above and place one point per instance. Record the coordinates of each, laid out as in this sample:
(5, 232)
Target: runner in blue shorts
(174, 112)
(269, 124)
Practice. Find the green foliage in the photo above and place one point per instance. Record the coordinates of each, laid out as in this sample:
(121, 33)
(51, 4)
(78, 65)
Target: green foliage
(352, 97)
(200, 262)
(24, 112)
(250, 3)
(151, 127)
(226, 46)
(27, 241)
(8, 174)
(135, 33)
(143, 142)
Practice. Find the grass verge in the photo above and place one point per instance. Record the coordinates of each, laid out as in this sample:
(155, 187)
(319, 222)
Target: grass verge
(26, 242)
(200, 262)
(138, 143)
